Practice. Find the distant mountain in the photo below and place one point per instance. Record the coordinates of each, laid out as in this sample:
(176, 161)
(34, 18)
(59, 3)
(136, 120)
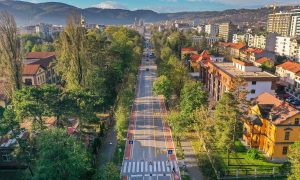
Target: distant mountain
(55, 13)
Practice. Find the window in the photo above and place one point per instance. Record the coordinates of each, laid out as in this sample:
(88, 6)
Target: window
(253, 82)
(28, 82)
(284, 150)
(6, 157)
(286, 135)
(296, 121)
(253, 91)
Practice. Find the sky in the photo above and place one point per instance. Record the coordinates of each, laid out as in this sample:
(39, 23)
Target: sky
(170, 5)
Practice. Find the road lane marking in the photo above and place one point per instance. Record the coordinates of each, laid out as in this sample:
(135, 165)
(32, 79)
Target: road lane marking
(142, 166)
(163, 166)
(146, 166)
(129, 167)
(138, 166)
(124, 167)
(154, 166)
(158, 164)
(150, 168)
(133, 167)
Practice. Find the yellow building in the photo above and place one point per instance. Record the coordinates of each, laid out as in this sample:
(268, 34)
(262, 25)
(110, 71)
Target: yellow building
(272, 125)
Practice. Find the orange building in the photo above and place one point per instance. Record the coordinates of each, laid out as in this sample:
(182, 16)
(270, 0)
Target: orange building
(271, 126)
(187, 51)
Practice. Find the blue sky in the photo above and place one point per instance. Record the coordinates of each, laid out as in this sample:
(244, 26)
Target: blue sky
(171, 5)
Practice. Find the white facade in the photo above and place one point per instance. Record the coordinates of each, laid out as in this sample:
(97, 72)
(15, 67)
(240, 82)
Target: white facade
(238, 38)
(216, 59)
(295, 23)
(255, 88)
(212, 40)
(285, 75)
(259, 41)
(212, 29)
(283, 45)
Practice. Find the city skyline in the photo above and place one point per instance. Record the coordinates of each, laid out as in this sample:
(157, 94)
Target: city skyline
(168, 5)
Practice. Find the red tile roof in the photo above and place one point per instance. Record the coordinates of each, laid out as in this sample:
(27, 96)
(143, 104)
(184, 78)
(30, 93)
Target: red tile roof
(195, 57)
(262, 60)
(40, 55)
(237, 45)
(290, 66)
(188, 49)
(280, 111)
(254, 50)
(30, 69)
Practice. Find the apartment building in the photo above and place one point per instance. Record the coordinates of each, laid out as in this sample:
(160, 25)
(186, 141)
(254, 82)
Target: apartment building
(221, 77)
(212, 30)
(279, 23)
(271, 126)
(295, 23)
(283, 44)
(226, 31)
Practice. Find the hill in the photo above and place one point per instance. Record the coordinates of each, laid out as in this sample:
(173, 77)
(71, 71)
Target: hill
(55, 13)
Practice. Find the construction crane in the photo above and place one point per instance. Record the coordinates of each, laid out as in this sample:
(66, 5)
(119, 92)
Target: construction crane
(275, 5)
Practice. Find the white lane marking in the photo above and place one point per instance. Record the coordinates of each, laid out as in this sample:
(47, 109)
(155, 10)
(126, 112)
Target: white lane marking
(154, 163)
(129, 167)
(168, 166)
(133, 166)
(176, 167)
(171, 162)
(163, 166)
(124, 167)
(137, 175)
(138, 166)
(158, 164)
(146, 166)
(150, 168)
(142, 166)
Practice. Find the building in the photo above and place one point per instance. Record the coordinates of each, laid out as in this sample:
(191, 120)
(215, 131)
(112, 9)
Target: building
(283, 44)
(222, 76)
(236, 38)
(271, 42)
(212, 40)
(259, 41)
(47, 61)
(295, 23)
(212, 30)
(264, 61)
(271, 126)
(295, 50)
(226, 31)
(188, 51)
(33, 75)
(236, 49)
(279, 23)
(27, 30)
(253, 54)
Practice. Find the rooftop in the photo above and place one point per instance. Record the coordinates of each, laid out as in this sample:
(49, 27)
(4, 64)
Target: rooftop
(30, 69)
(188, 49)
(272, 106)
(262, 60)
(40, 55)
(290, 66)
(231, 70)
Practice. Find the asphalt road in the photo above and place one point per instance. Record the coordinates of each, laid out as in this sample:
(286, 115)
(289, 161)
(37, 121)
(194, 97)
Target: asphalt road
(149, 152)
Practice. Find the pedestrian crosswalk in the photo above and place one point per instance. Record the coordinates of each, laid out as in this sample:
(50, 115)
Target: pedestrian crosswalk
(142, 167)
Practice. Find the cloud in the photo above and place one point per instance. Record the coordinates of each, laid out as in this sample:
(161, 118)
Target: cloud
(110, 5)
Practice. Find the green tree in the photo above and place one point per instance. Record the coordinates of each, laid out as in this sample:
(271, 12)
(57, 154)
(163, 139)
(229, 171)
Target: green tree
(294, 158)
(36, 48)
(28, 46)
(71, 48)
(61, 156)
(192, 96)
(110, 172)
(225, 117)
(121, 116)
(178, 125)
(203, 124)
(10, 53)
(162, 86)
(9, 121)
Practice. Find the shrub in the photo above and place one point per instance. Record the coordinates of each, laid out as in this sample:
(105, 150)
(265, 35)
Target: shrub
(253, 154)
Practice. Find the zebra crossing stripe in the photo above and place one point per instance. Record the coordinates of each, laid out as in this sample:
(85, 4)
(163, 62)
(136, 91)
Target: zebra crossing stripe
(146, 166)
(129, 167)
(142, 166)
(163, 166)
(158, 164)
(133, 166)
(125, 166)
(154, 169)
(138, 166)
(150, 168)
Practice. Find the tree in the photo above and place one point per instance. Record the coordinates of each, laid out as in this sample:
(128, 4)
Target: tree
(10, 53)
(121, 116)
(192, 96)
(9, 122)
(162, 86)
(73, 64)
(178, 125)
(294, 158)
(225, 127)
(61, 156)
(110, 171)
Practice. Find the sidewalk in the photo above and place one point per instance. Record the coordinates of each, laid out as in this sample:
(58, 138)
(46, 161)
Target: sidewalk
(191, 161)
(107, 151)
